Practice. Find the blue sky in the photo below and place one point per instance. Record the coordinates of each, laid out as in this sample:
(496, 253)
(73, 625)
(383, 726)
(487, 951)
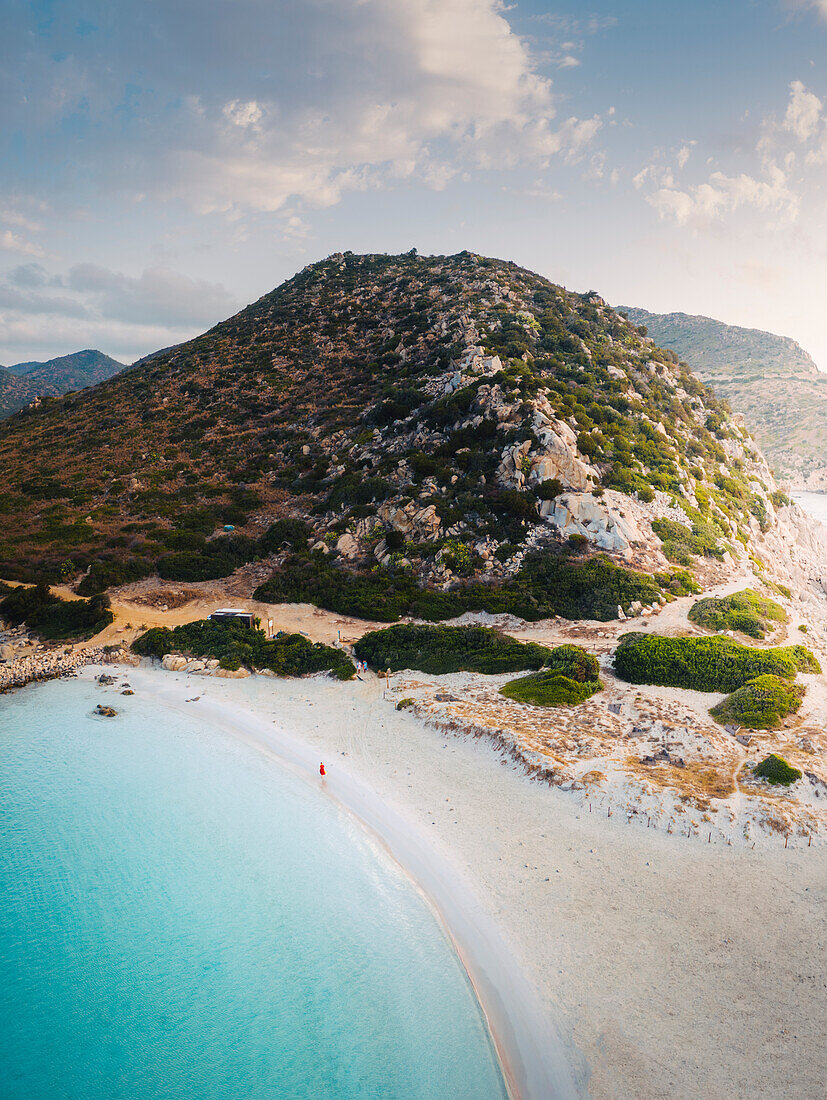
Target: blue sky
(164, 162)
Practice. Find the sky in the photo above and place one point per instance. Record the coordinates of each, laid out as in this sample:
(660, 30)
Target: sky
(165, 162)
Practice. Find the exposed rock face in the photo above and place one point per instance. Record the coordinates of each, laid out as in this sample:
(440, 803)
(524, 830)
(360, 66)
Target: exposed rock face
(598, 520)
(410, 519)
(557, 457)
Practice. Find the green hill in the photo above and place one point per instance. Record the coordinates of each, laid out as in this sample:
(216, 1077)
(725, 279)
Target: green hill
(452, 423)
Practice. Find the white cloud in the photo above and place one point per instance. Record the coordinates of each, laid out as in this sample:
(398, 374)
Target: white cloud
(13, 242)
(803, 112)
(92, 305)
(721, 195)
(773, 183)
(243, 114)
(250, 106)
(157, 296)
(818, 6)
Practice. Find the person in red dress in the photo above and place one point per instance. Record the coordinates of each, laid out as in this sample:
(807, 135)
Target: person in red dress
(321, 770)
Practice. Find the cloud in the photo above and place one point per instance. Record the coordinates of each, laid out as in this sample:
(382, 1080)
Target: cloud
(247, 107)
(818, 6)
(13, 242)
(158, 296)
(722, 195)
(774, 182)
(93, 306)
(803, 111)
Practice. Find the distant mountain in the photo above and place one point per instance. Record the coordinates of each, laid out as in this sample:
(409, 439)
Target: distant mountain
(69, 372)
(769, 379)
(15, 393)
(21, 383)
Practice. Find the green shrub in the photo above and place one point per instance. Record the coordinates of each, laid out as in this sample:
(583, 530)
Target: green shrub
(745, 611)
(54, 619)
(110, 574)
(235, 644)
(681, 544)
(549, 489)
(777, 771)
(678, 583)
(780, 499)
(760, 704)
(549, 689)
(442, 649)
(574, 662)
(294, 533)
(704, 664)
(403, 704)
(192, 566)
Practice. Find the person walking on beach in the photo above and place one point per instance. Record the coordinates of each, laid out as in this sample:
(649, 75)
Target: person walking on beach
(322, 771)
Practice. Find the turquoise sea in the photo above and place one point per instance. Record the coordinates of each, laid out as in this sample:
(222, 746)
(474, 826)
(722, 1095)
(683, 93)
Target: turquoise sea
(180, 917)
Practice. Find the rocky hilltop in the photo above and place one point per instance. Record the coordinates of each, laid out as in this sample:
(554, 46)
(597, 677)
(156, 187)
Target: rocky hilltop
(770, 379)
(395, 435)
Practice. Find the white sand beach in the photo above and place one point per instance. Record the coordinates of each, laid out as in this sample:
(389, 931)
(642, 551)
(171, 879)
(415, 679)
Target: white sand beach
(613, 961)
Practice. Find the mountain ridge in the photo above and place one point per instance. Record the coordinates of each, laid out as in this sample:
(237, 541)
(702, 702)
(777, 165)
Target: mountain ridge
(22, 383)
(752, 370)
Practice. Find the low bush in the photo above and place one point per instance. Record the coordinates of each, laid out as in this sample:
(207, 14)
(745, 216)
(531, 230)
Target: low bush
(680, 544)
(574, 662)
(192, 566)
(745, 611)
(760, 704)
(110, 574)
(284, 532)
(776, 770)
(441, 649)
(56, 620)
(235, 644)
(549, 689)
(704, 664)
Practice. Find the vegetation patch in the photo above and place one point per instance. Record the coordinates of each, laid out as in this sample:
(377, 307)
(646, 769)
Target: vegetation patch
(54, 619)
(549, 689)
(235, 644)
(682, 544)
(571, 676)
(745, 611)
(441, 649)
(705, 664)
(760, 704)
(777, 771)
(547, 585)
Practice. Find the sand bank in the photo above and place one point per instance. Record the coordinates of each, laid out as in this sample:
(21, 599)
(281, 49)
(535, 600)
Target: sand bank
(663, 967)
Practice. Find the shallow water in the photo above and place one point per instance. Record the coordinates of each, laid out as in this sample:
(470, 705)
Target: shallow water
(814, 503)
(180, 917)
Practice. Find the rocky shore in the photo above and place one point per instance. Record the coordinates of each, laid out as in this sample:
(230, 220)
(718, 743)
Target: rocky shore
(51, 665)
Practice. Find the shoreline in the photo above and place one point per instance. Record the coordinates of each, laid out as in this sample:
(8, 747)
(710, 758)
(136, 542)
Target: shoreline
(530, 1053)
(655, 956)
